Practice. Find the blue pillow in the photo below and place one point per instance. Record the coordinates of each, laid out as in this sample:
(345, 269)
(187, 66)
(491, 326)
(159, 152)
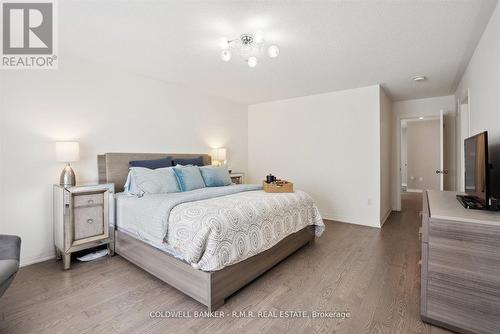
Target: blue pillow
(189, 178)
(215, 176)
(142, 181)
(193, 161)
(152, 164)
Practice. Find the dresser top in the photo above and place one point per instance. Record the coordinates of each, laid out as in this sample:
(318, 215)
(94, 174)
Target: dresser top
(444, 205)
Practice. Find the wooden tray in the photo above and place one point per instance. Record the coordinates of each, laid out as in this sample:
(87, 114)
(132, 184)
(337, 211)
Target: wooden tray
(274, 188)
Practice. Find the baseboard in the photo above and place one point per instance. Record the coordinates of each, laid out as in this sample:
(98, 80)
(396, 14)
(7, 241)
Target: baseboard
(31, 261)
(347, 220)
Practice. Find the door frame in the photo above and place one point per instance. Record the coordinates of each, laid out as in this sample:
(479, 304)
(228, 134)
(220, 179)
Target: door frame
(399, 118)
(465, 99)
(441, 151)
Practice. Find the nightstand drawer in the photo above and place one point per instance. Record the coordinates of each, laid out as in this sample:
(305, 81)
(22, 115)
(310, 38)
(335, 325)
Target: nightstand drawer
(88, 200)
(89, 222)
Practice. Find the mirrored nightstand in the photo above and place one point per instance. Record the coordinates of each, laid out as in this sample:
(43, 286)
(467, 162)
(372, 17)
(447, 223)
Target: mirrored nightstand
(83, 218)
(238, 178)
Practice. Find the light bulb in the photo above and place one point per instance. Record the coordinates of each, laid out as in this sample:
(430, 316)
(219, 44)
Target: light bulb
(224, 43)
(258, 37)
(273, 51)
(252, 62)
(225, 55)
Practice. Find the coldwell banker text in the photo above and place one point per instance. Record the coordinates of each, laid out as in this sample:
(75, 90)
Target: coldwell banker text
(28, 35)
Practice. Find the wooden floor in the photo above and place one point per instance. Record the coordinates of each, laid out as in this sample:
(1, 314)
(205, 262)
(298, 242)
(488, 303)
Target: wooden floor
(372, 273)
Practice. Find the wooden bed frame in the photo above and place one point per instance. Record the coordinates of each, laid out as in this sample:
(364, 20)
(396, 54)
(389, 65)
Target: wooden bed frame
(209, 288)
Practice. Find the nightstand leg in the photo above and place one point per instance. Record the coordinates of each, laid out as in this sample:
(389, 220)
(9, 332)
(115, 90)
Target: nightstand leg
(66, 260)
(111, 248)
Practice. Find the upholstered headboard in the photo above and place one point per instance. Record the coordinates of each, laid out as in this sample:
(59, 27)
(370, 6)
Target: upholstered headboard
(113, 167)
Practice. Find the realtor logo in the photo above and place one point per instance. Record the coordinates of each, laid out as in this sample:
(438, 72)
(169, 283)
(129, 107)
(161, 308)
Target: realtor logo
(28, 34)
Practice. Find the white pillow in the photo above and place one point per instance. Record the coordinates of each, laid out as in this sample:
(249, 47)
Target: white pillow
(142, 181)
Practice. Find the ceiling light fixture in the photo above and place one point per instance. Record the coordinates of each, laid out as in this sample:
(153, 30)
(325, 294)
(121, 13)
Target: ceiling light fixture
(273, 51)
(249, 46)
(419, 78)
(252, 62)
(225, 55)
(258, 37)
(223, 43)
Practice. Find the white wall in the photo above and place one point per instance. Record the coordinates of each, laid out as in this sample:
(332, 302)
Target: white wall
(106, 111)
(328, 145)
(423, 107)
(386, 156)
(413, 109)
(482, 77)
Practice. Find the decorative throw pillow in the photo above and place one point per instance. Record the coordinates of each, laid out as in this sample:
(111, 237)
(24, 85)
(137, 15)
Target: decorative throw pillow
(192, 161)
(189, 177)
(215, 176)
(152, 164)
(142, 181)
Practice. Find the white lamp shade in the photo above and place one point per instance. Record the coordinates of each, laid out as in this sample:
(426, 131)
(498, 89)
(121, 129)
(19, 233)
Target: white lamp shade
(252, 62)
(273, 51)
(219, 154)
(67, 151)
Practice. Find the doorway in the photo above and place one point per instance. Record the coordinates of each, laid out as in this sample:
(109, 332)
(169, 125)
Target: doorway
(446, 170)
(421, 154)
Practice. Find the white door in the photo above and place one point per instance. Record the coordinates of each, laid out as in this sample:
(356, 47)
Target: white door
(404, 157)
(424, 156)
(441, 170)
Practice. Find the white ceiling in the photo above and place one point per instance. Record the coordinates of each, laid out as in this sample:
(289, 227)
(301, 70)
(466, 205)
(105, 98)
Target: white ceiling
(324, 45)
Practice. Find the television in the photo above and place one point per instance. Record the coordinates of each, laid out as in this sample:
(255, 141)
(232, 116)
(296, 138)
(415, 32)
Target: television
(477, 169)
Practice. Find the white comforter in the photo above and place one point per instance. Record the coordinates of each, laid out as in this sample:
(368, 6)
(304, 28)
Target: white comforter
(214, 228)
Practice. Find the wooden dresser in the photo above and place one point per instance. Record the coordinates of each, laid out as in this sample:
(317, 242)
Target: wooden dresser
(460, 274)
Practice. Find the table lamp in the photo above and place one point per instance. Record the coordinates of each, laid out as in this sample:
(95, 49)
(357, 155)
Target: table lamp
(219, 156)
(67, 151)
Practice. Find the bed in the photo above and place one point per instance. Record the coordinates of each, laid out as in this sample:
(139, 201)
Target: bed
(207, 243)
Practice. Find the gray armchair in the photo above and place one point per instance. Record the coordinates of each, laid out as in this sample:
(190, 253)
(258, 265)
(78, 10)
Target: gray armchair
(10, 249)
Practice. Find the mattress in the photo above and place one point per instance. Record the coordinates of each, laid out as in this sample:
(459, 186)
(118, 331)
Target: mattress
(132, 216)
(212, 228)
